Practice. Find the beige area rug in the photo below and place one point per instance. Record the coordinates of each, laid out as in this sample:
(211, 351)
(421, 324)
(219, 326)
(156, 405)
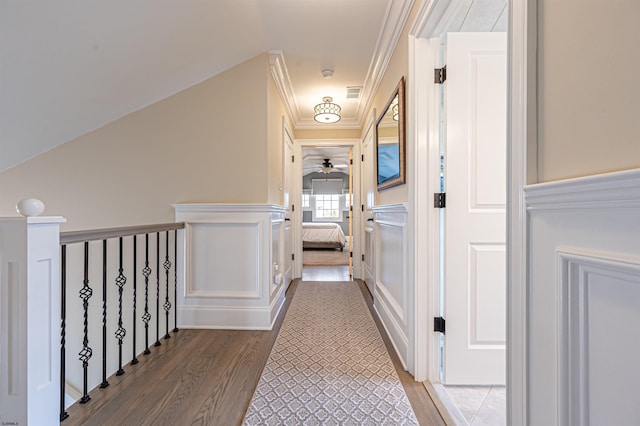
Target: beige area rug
(325, 257)
(329, 365)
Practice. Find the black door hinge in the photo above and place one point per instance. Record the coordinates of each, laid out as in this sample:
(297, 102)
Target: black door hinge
(439, 200)
(351, 161)
(362, 157)
(440, 75)
(293, 208)
(293, 256)
(438, 324)
(362, 207)
(350, 254)
(363, 257)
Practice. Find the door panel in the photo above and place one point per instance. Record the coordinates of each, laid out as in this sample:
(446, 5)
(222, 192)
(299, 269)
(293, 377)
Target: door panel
(475, 223)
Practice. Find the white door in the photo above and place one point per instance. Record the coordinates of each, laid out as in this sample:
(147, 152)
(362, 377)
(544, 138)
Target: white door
(287, 186)
(367, 183)
(474, 231)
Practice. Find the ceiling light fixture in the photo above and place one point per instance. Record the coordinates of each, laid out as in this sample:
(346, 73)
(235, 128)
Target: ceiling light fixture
(327, 167)
(327, 111)
(394, 111)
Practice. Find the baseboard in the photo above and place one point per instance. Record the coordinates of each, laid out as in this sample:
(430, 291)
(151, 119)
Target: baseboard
(445, 405)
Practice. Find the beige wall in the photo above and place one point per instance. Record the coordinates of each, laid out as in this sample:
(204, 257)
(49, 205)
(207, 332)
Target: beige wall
(588, 94)
(194, 146)
(326, 134)
(397, 68)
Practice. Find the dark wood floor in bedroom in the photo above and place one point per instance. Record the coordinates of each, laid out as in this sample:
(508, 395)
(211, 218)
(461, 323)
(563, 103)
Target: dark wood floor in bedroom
(207, 377)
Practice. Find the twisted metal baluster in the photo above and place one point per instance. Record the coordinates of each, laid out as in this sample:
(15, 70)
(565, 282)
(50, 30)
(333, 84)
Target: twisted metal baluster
(121, 280)
(157, 343)
(175, 281)
(167, 304)
(134, 360)
(86, 352)
(146, 317)
(63, 328)
(104, 383)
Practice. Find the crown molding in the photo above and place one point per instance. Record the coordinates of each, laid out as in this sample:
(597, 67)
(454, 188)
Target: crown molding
(394, 22)
(281, 77)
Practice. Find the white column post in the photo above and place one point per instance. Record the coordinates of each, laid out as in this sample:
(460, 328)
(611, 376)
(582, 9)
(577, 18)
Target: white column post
(30, 320)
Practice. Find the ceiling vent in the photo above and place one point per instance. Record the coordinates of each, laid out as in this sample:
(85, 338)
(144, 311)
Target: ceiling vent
(353, 92)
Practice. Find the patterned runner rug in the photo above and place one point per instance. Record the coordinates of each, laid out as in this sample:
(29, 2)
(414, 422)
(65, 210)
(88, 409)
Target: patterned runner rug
(329, 365)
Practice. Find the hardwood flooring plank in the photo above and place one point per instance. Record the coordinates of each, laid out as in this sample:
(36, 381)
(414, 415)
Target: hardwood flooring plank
(207, 377)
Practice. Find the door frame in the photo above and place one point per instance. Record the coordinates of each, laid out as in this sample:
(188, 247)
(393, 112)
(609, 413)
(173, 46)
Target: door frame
(431, 21)
(297, 195)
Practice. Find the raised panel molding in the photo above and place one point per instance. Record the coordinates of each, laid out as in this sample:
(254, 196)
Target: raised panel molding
(598, 337)
(582, 291)
(227, 269)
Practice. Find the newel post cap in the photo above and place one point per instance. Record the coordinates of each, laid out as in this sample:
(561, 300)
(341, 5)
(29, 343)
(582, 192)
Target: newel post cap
(30, 207)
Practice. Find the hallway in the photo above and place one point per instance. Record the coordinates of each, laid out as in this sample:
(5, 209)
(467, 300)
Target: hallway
(208, 377)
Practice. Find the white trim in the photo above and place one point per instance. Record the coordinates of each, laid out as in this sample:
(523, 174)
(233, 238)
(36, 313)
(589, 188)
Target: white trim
(521, 109)
(574, 268)
(618, 190)
(282, 81)
(296, 196)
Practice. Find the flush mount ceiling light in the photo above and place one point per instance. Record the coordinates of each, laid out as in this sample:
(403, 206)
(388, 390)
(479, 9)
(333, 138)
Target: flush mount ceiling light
(395, 112)
(327, 111)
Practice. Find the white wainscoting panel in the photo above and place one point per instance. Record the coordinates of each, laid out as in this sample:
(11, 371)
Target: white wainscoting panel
(391, 297)
(231, 260)
(583, 298)
(599, 338)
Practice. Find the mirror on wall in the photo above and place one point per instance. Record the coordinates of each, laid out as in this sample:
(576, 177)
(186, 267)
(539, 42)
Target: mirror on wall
(390, 141)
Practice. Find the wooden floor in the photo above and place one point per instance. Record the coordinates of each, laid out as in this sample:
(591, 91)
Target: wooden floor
(207, 377)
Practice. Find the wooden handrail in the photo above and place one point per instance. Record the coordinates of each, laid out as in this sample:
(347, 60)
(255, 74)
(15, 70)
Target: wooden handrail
(72, 237)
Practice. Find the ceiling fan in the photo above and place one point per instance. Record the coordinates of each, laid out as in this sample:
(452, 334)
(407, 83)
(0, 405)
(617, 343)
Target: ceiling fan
(327, 167)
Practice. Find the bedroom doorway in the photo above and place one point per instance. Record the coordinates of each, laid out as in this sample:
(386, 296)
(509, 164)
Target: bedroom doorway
(326, 215)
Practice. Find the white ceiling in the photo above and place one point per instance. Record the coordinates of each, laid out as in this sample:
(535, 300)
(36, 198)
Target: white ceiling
(68, 67)
(313, 157)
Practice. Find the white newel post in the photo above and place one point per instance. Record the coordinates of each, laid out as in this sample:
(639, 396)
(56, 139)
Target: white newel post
(30, 320)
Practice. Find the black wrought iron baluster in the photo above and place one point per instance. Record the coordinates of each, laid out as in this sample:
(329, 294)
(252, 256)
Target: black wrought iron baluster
(86, 352)
(175, 281)
(134, 359)
(146, 317)
(167, 304)
(157, 343)
(63, 328)
(104, 383)
(121, 280)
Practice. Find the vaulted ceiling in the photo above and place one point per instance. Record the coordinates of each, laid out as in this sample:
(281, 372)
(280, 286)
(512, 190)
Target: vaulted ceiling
(68, 67)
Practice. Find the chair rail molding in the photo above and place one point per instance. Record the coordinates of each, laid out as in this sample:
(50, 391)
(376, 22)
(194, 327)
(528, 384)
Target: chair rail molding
(231, 260)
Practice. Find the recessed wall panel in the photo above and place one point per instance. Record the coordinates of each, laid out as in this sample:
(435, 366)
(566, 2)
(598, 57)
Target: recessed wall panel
(224, 260)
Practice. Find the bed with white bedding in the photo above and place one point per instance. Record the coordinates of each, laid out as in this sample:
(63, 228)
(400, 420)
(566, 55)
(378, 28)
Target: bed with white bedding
(322, 235)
